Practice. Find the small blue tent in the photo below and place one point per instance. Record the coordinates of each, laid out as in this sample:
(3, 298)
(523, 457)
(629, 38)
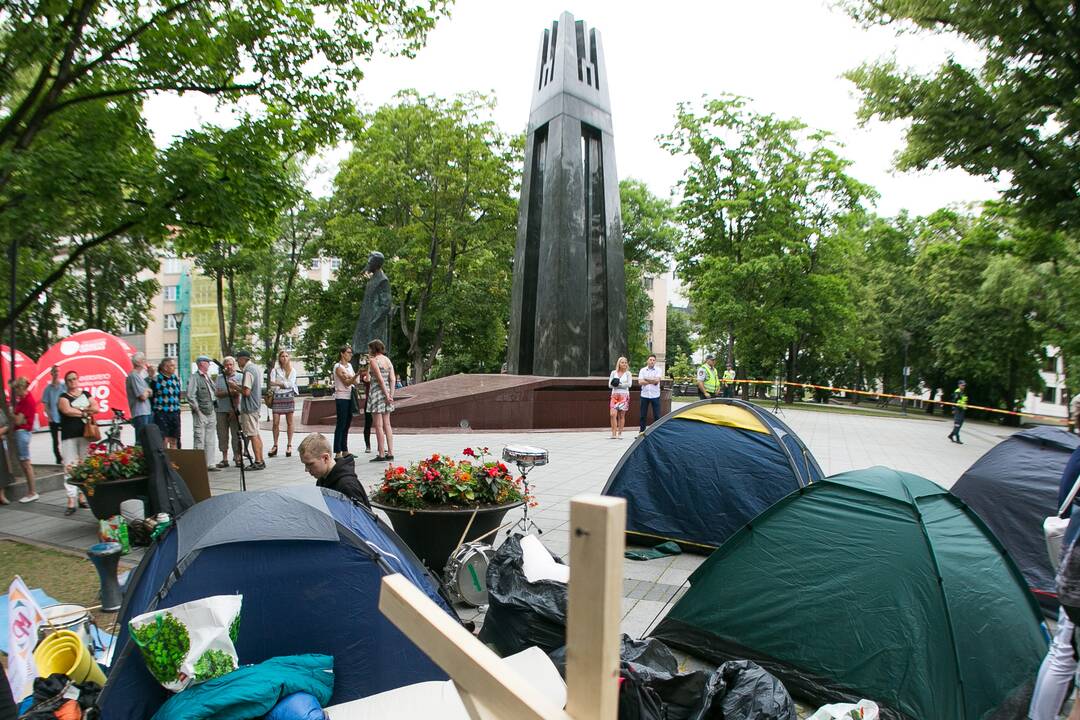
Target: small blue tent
(703, 471)
(309, 564)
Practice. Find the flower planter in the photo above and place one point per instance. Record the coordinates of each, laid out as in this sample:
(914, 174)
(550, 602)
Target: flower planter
(105, 502)
(433, 533)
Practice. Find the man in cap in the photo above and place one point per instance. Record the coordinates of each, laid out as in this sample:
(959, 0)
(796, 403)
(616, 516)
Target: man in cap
(708, 381)
(250, 390)
(960, 399)
(201, 396)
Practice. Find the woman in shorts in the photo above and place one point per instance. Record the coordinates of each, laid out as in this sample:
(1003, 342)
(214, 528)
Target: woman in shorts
(620, 381)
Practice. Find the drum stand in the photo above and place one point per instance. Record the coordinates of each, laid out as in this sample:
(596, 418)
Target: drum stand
(525, 523)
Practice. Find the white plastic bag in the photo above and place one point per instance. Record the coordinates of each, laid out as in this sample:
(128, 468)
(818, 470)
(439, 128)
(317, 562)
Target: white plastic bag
(864, 710)
(189, 643)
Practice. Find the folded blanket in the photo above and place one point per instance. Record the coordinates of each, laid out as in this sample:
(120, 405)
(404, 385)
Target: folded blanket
(252, 691)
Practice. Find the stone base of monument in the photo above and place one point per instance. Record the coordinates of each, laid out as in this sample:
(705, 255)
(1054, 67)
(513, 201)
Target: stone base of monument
(500, 402)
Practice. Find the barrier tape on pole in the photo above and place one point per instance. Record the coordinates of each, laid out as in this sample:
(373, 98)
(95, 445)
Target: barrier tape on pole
(833, 388)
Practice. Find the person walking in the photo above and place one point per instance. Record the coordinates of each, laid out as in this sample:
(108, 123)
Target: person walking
(76, 409)
(25, 410)
(380, 399)
(649, 379)
(202, 397)
(250, 390)
(283, 386)
(165, 402)
(961, 399)
(228, 422)
(138, 395)
(620, 381)
(344, 380)
(49, 397)
(708, 382)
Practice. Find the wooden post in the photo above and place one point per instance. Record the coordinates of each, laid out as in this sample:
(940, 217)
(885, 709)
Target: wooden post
(488, 687)
(597, 542)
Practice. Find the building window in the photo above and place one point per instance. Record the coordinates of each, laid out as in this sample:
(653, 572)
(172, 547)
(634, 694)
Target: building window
(335, 263)
(170, 322)
(171, 350)
(648, 283)
(1049, 394)
(1050, 363)
(314, 263)
(172, 293)
(173, 266)
(130, 328)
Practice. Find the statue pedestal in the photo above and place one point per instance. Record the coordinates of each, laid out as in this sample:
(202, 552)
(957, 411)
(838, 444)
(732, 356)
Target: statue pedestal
(500, 402)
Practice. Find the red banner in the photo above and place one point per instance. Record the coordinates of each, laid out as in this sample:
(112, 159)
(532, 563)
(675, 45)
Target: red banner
(103, 362)
(24, 366)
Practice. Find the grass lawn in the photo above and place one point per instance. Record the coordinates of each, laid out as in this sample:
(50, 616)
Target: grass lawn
(68, 577)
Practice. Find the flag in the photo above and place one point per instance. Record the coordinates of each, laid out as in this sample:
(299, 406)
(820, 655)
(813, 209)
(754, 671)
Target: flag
(24, 618)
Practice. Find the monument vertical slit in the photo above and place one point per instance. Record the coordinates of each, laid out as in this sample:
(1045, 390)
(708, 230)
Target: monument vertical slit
(532, 253)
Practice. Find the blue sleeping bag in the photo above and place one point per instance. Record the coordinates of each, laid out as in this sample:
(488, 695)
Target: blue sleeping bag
(252, 691)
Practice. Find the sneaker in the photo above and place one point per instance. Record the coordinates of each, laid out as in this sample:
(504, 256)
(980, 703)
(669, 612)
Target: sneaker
(29, 498)
(213, 468)
(256, 466)
(222, 465)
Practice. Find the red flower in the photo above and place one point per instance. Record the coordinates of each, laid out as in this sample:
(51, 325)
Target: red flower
(468, 452)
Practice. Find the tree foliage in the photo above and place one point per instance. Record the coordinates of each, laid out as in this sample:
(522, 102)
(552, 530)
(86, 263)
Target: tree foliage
(432, 184)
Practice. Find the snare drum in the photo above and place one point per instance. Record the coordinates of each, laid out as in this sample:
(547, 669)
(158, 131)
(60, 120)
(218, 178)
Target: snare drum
(525, 454)
(75, 618)
(465, 575)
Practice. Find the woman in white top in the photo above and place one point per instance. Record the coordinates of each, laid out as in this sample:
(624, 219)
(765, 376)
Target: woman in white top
(283, 385)
(620, 381)
(344, 379)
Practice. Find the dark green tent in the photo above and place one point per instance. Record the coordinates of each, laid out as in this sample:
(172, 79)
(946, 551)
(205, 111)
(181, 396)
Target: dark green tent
(873, 583)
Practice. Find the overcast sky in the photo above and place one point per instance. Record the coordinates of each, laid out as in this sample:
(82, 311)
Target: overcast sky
(787, 55)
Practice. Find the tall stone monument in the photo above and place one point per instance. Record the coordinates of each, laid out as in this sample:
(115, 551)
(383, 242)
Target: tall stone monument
(568, 308)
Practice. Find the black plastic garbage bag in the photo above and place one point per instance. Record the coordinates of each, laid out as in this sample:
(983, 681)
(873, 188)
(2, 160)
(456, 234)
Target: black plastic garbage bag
(737, 690)
(520, 613)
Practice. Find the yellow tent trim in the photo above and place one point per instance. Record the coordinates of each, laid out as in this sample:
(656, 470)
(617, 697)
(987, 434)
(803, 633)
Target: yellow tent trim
(665, 538)
(724, 414)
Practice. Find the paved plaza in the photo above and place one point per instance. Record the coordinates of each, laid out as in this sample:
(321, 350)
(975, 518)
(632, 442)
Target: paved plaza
(580, 463)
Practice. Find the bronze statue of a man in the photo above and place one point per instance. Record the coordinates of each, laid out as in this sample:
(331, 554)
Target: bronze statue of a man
(374, 320)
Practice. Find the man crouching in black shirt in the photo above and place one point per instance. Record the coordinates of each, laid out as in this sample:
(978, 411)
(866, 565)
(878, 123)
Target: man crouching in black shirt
(329, 473)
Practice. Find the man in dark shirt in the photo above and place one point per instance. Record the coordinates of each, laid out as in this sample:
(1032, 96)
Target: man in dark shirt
(339, 474)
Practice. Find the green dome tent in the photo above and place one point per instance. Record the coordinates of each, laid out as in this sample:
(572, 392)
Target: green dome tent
(872, 583)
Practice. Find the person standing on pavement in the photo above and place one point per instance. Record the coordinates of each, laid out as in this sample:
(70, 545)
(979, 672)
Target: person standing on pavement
(708, 382)
(380, 399)
(201, 396)
(961, 399)
(250, 390)
(729, 381)
(283, 386)
(138, 395)
(344, 381)
(25, 410)
(76, 408)
(228, 423)
(166, 402)
(649, 380)
(49, 397)
(620, 381)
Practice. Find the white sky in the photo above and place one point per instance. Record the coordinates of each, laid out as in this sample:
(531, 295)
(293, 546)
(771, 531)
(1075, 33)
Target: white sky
(787, 55)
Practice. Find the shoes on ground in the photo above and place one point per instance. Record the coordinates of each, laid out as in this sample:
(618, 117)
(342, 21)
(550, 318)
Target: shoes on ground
(84, 504)
(239, 463)
(388, 457)
(213, 468)
(222, 465)
(70, 510)
(256, 466)
(367, 449)
(377, 458)
(29, 498)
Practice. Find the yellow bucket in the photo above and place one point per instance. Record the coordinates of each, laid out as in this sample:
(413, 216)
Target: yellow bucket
(64, 652)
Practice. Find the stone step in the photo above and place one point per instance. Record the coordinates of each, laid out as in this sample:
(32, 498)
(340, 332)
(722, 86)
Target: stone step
(46, 479)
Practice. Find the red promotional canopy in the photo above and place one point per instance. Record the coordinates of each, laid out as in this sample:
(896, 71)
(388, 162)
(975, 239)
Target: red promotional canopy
(102, 361)
(24, 366)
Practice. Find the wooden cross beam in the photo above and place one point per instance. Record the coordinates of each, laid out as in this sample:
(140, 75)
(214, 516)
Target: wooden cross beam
(488, 687)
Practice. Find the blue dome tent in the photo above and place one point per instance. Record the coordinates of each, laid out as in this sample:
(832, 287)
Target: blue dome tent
(309, 564)
(704, 470)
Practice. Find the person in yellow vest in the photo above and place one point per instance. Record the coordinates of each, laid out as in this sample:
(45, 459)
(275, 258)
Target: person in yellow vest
(729, 381)
(708, 381)
(961, 399)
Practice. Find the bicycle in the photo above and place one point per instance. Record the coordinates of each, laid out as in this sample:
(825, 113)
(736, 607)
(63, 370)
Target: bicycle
(112, 441)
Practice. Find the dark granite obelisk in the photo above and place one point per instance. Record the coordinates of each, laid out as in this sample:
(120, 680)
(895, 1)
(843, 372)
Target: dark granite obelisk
(568, 308)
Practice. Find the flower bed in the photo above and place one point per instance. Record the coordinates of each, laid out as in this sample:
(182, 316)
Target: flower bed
(442, 482)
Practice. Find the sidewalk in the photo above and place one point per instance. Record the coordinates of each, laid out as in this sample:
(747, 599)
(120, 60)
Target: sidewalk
(580, 462)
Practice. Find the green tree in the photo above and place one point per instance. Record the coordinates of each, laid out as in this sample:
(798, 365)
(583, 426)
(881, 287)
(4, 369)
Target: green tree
(78, 168)
(649, 240)
(105, 292)
(679, 341)
(764, 259)
(432, 184)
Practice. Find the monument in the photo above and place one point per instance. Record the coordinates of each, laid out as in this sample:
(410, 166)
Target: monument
(374, 320)
(568, 306)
